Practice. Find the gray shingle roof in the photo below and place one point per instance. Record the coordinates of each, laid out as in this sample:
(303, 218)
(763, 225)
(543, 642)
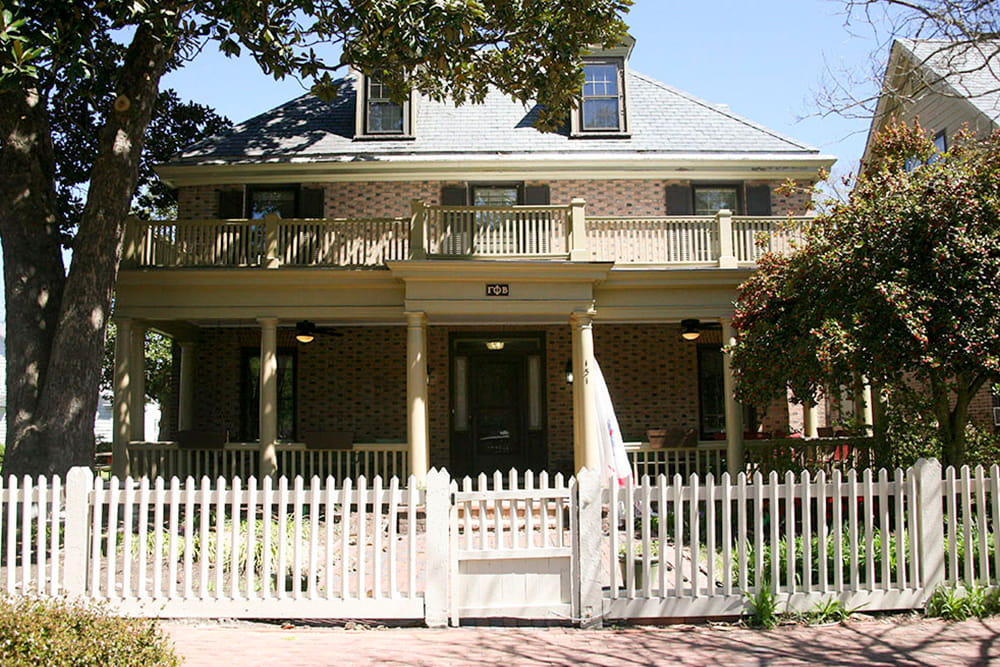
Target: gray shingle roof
(662, 120)
(972, 70)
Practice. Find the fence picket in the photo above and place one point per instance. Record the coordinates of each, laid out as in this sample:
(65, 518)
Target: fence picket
(244, 548)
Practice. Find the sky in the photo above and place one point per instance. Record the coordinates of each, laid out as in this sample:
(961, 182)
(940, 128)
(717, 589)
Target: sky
(764, 59)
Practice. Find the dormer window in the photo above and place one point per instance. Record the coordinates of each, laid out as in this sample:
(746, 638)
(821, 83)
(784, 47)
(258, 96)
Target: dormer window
(378, 116)
(602, 104)
(383, 116)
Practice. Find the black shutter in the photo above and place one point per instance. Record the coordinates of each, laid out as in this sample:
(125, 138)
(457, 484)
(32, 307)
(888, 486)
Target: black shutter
(311, 203)
(453, 195)
(230, 204)
(679, 200)
(536, 195)
(758, 200)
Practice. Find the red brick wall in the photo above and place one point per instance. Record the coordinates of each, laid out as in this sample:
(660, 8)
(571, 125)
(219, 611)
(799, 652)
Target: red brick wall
(639, 197)
(357, 382)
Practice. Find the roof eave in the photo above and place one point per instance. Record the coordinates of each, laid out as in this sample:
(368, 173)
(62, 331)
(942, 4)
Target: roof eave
(772, 166)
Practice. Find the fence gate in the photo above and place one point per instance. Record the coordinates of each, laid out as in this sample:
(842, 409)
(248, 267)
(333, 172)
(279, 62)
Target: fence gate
(512, 548)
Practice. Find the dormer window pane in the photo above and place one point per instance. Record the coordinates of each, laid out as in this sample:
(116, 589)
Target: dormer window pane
(384, 116)
(601, 105)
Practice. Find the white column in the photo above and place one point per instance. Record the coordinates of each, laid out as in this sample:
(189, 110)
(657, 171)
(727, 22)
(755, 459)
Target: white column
(578, 250)
(735, 455)
(268, 395)
(727, 256)
(122, 397)
(138, 367)
(185, 398)
(586, 447)
(863, 407)
(809, 420)
(417, 433)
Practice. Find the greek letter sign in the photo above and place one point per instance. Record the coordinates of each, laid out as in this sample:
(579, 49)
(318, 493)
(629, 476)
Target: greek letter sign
(497, 289)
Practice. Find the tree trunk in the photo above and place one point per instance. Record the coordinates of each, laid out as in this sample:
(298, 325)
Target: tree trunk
(952, 419)
(33, 268)
(59, 428)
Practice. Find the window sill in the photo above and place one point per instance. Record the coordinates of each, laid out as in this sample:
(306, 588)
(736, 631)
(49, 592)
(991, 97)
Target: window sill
(384, 137)
(601, 135)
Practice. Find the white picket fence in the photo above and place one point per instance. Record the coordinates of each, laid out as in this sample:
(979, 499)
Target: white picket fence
(518, 545)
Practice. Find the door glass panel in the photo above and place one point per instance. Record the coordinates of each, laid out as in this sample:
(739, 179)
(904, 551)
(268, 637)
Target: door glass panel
(461, 394)
(496, 409)
(534, 392)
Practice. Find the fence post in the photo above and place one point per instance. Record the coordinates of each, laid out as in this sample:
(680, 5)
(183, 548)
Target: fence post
(587, 549)
(578, 251)
(727, 258)
(930, 523)
(79, 482)
(418, 230)
(272, 260)
(437, 507)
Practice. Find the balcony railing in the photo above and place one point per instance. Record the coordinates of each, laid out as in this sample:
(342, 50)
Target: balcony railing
(543, 232)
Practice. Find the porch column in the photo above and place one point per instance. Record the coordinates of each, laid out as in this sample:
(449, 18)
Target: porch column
(586, 445)
(416, 395)
(185, 399)
(735, 454)
(809, 420)
(122, 415)
(268, 395)
(138, 368)
(863, 407)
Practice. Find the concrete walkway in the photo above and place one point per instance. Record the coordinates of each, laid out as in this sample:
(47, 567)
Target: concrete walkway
(899, 641)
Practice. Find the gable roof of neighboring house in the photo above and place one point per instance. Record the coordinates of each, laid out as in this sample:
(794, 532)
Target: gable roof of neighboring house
(965, 75)
(969, 71)
(663, 123)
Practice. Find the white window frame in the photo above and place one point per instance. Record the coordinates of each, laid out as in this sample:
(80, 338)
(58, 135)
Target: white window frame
(577, 123)
(364, 101)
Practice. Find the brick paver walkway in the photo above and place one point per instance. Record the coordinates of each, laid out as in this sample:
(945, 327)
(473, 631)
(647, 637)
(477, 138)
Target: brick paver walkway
(896, 642)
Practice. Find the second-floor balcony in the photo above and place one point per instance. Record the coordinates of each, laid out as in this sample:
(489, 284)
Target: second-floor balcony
(514, 232)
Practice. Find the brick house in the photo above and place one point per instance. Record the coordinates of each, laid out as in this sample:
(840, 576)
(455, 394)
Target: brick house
(456, 273)
(946, 87)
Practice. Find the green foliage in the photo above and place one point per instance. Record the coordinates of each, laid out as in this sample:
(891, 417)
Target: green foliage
(450, 50)
(833, 564)
(983, 446)
(899, 284)
(202, 550)
(953, 604)
(763, 607)
(56, 632)
(830, 610)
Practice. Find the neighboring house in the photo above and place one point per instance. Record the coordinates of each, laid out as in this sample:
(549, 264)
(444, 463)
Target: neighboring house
(947, 87)
(452, 267)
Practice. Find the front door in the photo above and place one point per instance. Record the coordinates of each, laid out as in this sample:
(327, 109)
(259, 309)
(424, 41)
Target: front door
(497, 405)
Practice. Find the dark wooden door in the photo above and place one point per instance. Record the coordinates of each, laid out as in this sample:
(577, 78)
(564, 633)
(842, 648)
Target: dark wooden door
(498, 412)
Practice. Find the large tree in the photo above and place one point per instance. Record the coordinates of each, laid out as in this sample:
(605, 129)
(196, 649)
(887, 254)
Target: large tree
(899, 286)
(56, 320)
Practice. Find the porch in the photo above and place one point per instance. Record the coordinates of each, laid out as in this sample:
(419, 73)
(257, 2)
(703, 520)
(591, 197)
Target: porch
(537, 232)
(392, 401)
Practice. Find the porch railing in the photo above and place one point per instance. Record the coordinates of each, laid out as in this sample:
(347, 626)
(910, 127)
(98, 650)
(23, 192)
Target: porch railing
(753, 236)
(556, 232)
(242, 459)
(675, 240)
(774, 455)
(496, 230)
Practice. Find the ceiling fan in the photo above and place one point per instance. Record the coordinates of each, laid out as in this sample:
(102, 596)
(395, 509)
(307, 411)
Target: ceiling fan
(306, 331)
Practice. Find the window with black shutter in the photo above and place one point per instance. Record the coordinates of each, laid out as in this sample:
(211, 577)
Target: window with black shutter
(230, 204)
(758, 200)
